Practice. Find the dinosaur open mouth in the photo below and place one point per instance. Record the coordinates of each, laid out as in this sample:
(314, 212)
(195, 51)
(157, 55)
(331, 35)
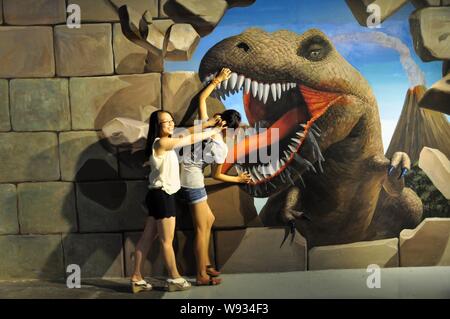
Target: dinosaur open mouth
(292, 109)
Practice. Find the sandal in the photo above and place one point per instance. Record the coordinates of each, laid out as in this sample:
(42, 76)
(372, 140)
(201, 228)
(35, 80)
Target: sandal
(178, 284)
(211, 271)
(141, 285)
(211, 281)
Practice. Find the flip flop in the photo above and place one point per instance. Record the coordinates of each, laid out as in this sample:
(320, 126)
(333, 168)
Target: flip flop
(211, 271)
(211, 281)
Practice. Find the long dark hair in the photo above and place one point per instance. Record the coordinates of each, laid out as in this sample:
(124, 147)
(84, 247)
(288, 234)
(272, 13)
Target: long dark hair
(232, 117)
(153, 131)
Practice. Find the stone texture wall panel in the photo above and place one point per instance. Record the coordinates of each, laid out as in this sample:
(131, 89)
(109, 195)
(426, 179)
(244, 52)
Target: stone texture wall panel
(29, 157)
(8, 209)
(26, 52)
(95, 101)
(84, 157)
(46, 208)
(31, 257)
(98, 255)
(85, 51)
(40, 104)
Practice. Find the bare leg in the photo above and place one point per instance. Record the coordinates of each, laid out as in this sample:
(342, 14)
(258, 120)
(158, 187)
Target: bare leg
(143, 247)
(210, 221)
(166, 232)
(199, 213)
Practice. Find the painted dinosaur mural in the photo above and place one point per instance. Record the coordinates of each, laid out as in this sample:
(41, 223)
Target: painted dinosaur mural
(332, 180)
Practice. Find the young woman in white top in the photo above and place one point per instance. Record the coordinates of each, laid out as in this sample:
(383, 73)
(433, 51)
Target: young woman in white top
(192, 181)
(164, 182)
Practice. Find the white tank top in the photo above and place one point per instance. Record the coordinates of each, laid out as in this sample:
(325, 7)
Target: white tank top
(165, 171)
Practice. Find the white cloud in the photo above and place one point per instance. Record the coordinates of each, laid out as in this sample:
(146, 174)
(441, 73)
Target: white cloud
(387, 130)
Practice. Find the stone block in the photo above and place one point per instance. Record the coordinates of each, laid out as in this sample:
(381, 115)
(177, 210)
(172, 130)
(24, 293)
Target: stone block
(203, 16)
(98, 255)
(360, 10)
(17, 60)
(112, 206)
(426, 3)
(5, 122)
(31, 257)
(437, 97)
(46, 208)
(28, 157)
(239, 3)
(40, 104)
(104, 11)
(429, 28)
(258, 250)
(183, 41)
(23, 12)
(84, 51)
(383, 253)
(231, 206)
(84, 156)
(96, 101)
(130, 165)
(8, 209)
(426, 245)
(129, 58)
(437, 167)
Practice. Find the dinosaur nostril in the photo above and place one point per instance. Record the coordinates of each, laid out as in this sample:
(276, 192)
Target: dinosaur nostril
(244, 46)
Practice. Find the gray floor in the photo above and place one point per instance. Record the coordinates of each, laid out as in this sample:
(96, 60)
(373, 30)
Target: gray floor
(424, 282)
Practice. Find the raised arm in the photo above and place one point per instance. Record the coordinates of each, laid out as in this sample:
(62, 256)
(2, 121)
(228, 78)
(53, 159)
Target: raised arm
(169, 143)
(202, 110)
(243, 178)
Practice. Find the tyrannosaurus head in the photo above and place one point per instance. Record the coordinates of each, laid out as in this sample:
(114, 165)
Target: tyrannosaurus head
(297, 84)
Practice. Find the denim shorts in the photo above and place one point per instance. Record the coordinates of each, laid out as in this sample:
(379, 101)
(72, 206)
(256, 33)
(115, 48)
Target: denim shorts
(193, 195)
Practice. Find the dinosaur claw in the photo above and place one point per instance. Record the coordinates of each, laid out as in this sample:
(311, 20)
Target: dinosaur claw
(391, 168)
(403, 173)
(290, 229)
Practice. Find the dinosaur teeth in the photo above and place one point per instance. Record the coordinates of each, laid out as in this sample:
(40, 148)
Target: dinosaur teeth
(247, 85)
(278, 90)
(260, 91)
(273, 90)
(255, 85)
(240, 81)
(225, 83)
(232, 81)
(266, 92)
(283, 87)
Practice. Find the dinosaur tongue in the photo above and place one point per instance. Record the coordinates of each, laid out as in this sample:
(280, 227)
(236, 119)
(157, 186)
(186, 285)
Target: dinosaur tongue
(317, 102)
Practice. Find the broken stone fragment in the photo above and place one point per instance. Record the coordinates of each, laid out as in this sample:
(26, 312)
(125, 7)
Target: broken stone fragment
(365, 14)
(430, 30)
(426, 245)
(239, 3)
(437, 97)
(183, 41)
(122, 131)
(202, 15)
(437, 167)
(419, 4)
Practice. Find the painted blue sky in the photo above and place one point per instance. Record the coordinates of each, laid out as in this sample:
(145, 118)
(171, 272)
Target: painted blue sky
(381, 66)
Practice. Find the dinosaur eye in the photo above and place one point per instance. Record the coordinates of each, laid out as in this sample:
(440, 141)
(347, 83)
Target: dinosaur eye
(314, 49)
(314, 54)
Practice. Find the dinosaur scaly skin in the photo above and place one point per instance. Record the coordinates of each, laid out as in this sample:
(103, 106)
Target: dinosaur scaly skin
(341, 132)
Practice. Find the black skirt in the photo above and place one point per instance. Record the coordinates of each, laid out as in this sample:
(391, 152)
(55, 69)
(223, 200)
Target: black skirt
(160, 204)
